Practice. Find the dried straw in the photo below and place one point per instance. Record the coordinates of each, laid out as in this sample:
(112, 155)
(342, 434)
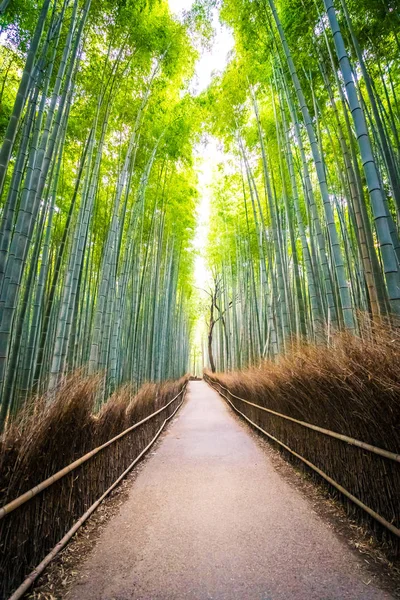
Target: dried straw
(45, 440)
(351, 387)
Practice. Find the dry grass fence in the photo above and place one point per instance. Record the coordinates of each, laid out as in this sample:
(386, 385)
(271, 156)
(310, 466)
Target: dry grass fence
(352, 388)
(48, 438)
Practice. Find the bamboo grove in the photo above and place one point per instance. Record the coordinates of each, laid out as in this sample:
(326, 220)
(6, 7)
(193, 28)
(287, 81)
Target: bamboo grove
(305, 215)
(98, 185)
(95, 174)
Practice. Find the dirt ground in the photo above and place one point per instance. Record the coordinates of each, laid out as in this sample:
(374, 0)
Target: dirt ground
(215, 512)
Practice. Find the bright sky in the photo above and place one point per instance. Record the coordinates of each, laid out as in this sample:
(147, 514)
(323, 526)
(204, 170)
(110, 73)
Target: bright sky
(207, 157)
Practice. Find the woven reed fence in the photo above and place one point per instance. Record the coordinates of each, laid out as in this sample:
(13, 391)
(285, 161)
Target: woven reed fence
(372, 479)
(61, 434)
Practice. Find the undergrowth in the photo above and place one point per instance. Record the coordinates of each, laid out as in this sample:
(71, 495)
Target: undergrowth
(48, 437)
(351, 387)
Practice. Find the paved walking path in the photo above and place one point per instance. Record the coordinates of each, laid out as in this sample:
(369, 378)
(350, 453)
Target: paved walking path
(210, 517)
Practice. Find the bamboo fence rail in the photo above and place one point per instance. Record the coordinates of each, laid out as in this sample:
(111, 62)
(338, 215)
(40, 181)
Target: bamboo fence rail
(351, 441)
(338, 436)
(27, 583)
(35, 533)
(10, 506)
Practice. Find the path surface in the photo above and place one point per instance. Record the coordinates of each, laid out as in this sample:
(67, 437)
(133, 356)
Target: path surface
(209, 517)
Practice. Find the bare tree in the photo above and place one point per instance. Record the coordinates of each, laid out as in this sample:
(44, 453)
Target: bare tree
(216, 314)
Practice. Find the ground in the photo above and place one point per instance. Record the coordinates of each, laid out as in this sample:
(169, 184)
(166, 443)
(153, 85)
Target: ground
(215, 513)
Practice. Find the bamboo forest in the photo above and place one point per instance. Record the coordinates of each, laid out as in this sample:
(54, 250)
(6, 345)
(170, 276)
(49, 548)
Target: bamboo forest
(197, 190)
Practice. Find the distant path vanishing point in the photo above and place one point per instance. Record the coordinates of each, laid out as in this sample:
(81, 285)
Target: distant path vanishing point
(210, 517)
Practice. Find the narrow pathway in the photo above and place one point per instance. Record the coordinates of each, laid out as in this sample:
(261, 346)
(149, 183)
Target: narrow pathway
(209, 517)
